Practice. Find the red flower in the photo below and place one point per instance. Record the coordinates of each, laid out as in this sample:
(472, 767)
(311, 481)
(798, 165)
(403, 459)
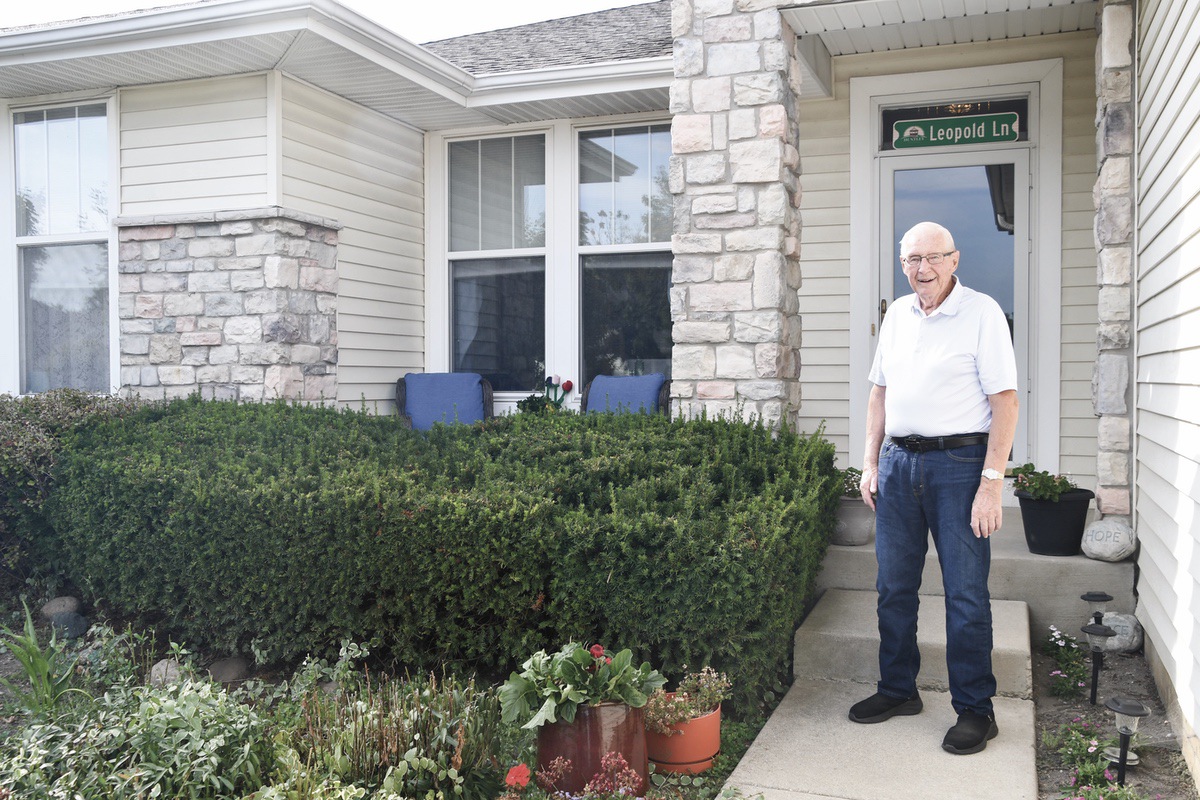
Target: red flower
(597, 651)
(518, 776)
(607, 660)
(567, 386)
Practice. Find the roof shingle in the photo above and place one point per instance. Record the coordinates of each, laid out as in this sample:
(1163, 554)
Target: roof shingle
(617, 34)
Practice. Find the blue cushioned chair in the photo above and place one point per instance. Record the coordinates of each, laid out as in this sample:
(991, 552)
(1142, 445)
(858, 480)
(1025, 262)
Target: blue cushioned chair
(423, 398)
(644, 394)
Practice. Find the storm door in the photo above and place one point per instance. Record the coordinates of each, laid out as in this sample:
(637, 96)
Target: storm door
(982, 197)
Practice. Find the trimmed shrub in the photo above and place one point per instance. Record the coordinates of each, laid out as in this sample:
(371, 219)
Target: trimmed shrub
(31, 432)
(285, 530)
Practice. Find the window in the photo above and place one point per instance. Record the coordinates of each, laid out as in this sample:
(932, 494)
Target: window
(598, 276)
(497, 236)
(62, 229)
(624, 202)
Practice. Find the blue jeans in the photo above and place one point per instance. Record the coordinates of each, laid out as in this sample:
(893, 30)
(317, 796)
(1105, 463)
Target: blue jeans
(921, 493)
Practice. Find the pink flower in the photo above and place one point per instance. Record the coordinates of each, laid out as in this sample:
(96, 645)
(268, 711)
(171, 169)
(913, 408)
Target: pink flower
(597, 651)
(518, 776)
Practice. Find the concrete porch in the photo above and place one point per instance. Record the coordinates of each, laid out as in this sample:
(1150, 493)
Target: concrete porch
(809, 750)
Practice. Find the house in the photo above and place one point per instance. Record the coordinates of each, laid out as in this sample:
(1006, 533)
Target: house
(262, 198)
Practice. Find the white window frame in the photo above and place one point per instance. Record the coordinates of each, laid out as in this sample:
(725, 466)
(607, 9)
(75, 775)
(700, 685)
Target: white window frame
(562, 251)
(1043, 81)
(10, 288)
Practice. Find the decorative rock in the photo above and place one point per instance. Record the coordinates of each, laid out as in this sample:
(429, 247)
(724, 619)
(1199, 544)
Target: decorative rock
(229, 670)
(1129, 633)
(855, 523)
(1109, 539)
(60, 605)
(69, 625)
(166, 672)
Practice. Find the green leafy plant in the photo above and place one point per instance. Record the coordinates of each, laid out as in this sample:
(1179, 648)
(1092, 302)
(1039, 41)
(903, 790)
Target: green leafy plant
(851, 479)
(185, 740)
(698, 694)
(1070, 674)
(47, 669)
(413, 739)
(1040, 484)
(554, 394)
(1081, 746)
(553, 686)
(1107, 791)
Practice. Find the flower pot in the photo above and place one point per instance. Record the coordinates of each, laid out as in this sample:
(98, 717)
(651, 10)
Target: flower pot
(691, 748)
(596, 731)
(855, 523)
(1055, 528)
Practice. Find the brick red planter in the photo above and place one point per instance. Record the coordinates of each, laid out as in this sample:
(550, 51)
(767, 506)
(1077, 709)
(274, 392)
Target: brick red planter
(595, 732)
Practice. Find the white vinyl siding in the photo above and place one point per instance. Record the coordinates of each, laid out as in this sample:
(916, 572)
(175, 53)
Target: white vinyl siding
(825, 235)
(198, 146)
(364, 171)
(1168, 346)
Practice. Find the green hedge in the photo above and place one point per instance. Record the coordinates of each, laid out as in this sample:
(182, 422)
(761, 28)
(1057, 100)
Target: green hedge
(31, 432)
(283, 529)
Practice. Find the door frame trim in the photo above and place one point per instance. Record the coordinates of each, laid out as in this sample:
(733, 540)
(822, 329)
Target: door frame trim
(867, 94)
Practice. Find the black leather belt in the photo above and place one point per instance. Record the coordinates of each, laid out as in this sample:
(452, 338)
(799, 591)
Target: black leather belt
(923, 444)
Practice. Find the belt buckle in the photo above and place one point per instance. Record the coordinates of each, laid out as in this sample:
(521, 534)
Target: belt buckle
(912, 442)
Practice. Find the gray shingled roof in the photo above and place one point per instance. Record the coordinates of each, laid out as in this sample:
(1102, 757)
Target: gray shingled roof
(618, 34)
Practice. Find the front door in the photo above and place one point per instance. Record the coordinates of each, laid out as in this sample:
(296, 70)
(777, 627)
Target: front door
(982, 197)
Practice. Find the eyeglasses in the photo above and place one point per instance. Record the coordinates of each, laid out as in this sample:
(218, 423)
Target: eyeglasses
(933, 258)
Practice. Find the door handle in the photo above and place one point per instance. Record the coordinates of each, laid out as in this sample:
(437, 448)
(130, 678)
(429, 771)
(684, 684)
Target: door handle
(882, 310)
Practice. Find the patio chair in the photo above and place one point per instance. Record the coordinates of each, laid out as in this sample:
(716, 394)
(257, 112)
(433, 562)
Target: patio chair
(423, 398)
(638, 394)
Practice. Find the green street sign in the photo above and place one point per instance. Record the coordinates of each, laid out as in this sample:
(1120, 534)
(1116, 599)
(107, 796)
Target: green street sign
(977, 129)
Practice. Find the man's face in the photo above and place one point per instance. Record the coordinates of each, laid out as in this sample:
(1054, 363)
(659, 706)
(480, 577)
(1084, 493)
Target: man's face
(931, 282)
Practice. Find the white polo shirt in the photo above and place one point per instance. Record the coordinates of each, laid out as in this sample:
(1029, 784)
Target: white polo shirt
(939, 369)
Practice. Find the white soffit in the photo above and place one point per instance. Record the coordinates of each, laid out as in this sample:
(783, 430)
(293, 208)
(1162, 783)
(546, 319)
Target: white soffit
(828, 28)
(323, 43)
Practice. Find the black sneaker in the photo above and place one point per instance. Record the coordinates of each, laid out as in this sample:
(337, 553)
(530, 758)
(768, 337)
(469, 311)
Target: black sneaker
(970, 734)
(881, 707)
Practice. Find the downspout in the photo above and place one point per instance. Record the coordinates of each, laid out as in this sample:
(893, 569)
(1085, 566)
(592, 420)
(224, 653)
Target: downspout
(1134, 172)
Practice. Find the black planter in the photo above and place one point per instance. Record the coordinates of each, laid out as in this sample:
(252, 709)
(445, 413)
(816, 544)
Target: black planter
(1055, 528)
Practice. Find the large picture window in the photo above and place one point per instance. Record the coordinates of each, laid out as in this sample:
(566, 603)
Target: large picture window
(62, 231)
(583, 252)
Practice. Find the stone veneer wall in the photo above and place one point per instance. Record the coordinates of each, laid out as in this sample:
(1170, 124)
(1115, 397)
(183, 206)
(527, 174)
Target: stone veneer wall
(1113, 197)
(233, 305)
(736, 229)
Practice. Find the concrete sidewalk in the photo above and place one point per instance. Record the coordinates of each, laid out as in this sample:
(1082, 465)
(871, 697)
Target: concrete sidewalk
(810, 750)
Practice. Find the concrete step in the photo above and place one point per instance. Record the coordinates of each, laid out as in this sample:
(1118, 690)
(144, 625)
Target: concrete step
(840, 640)
(810, 750)
(1049, 585)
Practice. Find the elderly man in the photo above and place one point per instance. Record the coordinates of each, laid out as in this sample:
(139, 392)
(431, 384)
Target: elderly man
(944, 394)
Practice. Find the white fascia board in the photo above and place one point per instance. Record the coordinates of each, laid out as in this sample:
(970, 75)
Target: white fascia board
(552, 83)
(230, 19)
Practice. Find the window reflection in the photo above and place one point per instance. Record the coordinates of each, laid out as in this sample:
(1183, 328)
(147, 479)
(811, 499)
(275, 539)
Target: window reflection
(623, 192)
(626, 314)
(61, 170)
(499, 320)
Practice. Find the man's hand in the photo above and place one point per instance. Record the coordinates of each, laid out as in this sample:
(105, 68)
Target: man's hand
(869, 485)
(986, 512)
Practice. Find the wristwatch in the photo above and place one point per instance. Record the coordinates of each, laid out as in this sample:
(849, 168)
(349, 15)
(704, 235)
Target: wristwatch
(993, 475)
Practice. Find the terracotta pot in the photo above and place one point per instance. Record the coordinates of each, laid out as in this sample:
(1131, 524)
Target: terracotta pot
(1055, 528)
(691, 749)
(595, 732)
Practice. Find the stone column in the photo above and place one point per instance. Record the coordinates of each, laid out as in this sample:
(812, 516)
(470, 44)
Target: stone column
(235, 306)
(1112, 394)
(736, 228)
